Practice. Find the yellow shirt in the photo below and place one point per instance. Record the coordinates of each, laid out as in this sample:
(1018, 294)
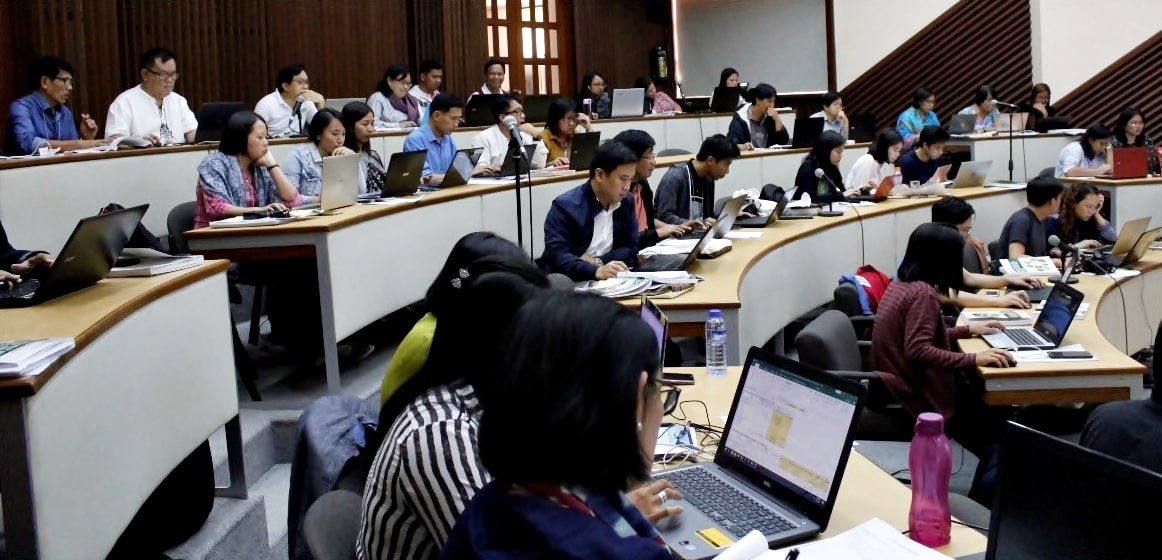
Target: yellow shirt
(556, 148)
(409, 357)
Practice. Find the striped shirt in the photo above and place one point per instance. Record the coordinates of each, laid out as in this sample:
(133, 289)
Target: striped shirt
(426, 471)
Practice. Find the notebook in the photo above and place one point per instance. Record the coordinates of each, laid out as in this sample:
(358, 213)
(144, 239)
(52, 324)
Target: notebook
(1052, 323)
(779, 464)
(86, 258)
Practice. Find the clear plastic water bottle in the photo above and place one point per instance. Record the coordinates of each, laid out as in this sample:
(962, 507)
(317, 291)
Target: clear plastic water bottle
(897, 177)
(930, 461)
(715, 343)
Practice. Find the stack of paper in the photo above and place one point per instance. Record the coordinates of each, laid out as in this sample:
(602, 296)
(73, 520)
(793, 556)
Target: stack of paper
(1010, 317)
(242, 221)
(1029, 265)
(30, 357)
(153, 263)
(616, 287)
(683, 246)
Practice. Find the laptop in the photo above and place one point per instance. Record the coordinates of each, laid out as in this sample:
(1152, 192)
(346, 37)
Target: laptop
(212, 119)
(340, 187)
(962, 124)
(339, 102)
(1056, 499)
(1129, 163)
(1038, 295)
(727, 218)
(971, 174)
(658, 323)
(806, 132)
(1141, 246)
(628, 103)
(404, 173)
(880, 194)
(780, 462)
(675, 262)
(478, 109)
(863, 127)
(86, 258)
(459, 171)
(1131, 230)
(1052, 323)
(581, 150)
(508, 168)
(537, 107)
(1019, 121)
(724, 99)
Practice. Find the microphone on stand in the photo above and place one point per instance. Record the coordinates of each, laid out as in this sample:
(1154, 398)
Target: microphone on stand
(829, 213)
(1000, 103)
(297, 112)
(513, 130)
(1070, 264)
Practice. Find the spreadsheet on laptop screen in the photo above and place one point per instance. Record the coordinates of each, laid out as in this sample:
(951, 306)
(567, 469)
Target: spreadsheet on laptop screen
(791, 428)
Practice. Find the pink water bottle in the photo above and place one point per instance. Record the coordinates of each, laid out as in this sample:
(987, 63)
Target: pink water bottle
(930, 461)
(587, 107)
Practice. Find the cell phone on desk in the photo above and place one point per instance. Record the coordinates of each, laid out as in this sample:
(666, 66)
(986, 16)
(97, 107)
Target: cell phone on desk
(1069, 354)
(678, 378)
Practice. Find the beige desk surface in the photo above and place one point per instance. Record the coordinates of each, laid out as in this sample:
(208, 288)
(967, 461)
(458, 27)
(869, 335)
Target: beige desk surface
(866, 491)
(1110, 360)
(87, 314)
(1105, 182)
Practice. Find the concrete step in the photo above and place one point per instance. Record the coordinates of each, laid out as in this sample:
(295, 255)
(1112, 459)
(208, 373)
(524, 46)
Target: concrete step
(267, 440)
(254, 528)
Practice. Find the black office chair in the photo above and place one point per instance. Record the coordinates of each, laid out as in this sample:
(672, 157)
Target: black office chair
(829, 343)
(1048, 172)
(331, 525)
(180, 220)
(673, 152)
(845, 298)
(994, 250)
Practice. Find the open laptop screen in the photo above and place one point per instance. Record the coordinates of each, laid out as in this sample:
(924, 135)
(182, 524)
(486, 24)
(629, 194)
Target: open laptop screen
(791, 429)
(1057, 313)
(658, 323)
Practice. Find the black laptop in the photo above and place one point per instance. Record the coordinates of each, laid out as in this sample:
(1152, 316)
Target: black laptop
(478, 110)
(86, 259)
(537, 107)
(508, 168)
(806, 132)
(212, 119)
(779, 464)
(726, 220)
(404, 172)
(781, 212)
(680, 261)
(581, 150)
(724, 99)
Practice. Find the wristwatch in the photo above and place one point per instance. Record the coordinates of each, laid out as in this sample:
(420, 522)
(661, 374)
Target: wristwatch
(597, 261)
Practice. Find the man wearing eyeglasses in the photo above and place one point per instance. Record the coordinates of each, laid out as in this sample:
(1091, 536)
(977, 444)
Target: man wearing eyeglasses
(152, 110)
(495, 140)
(291, 106)
(41, 119)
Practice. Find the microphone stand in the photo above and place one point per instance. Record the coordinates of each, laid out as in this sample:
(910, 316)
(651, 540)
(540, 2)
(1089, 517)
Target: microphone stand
(514, 144)
(1010, 114)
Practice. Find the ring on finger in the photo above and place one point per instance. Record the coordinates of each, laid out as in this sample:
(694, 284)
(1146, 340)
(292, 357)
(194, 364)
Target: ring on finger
(662, 497)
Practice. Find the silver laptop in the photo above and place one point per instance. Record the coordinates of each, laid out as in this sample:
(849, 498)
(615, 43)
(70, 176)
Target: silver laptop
(459, 171)
(972, 174)
(1052, 323)
(628, 102)
(779, 464)
(340, 183)
(961, 124)
(1129, 235)
(339, 102)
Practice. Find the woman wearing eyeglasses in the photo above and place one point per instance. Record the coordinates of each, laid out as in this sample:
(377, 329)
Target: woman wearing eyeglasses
(1130, 132)
(565, 386)
(391, 102)
(560, 126)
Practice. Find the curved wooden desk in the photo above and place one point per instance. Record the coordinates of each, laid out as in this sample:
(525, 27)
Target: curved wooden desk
(866, 491)
(86, 442)
(1031, 153)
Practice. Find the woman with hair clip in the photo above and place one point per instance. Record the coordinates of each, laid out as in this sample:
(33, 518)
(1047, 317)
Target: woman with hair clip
(359, 122)
(1086, 156)
(983, 108)
(1079, 222)
(922, 113)
(391, 102)
(1130, 132)
(594, 88)
(304, 166)
(565, 386)
(824, 155)
(912, 349)
(878, 163)
(757, 123)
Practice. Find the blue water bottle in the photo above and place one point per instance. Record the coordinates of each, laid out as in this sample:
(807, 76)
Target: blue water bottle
(715, 343)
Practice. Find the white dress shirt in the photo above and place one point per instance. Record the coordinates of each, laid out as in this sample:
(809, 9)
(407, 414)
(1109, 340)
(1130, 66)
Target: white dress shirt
(602, 241)
(135, 113)
(424, 97)
(279, 116)
(865, 169)
(495, 147)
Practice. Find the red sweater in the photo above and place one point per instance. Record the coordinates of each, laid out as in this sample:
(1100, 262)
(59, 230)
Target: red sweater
(911, 349)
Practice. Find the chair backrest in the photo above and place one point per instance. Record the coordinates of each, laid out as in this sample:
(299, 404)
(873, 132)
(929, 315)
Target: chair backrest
(332, 525)
(1048, 172)
(994, 250)
(829, 342)
(674, 152)
(847, 300)
(972, 260)
(178, 222)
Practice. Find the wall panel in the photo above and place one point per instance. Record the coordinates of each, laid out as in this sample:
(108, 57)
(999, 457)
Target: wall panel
(1128, 82)
(613, 37)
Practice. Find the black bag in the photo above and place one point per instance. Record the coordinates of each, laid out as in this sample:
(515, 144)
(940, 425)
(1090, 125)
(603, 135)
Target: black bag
(773, 193)
(142, 237)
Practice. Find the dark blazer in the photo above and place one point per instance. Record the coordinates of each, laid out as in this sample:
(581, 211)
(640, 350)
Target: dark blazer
(739, 131)
(569, 231)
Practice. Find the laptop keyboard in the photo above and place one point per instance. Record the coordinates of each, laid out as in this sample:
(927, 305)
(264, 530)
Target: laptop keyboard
(734, 510)
(1024, 337)
(23, 290)
(660, 263)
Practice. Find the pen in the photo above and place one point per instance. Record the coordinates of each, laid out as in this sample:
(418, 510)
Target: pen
(793, 554)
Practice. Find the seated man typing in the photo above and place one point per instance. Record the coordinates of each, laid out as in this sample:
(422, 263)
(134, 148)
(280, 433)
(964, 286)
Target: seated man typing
(923, 163)
(591, 230)
(1024, 232)
(956, 213)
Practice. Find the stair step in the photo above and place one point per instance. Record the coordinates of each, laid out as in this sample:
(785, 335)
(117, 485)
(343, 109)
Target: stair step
(267, 440)
(229, 533)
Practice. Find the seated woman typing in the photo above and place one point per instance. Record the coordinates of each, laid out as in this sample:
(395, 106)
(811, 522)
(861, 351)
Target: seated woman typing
(912, 349)
(560, 126)
(982, 107)
(1085, 157)
(1130, 132)
(242, 176)
(1079, 222)
(757, 123)
(825, 155)
(359, 122)
(878, 163)
(564, 387)
(391, 102)
(304, 167)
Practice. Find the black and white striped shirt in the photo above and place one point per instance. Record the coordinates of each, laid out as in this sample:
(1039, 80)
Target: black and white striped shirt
(426, 471)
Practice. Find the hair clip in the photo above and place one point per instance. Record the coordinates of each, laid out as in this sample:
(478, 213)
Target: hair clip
(457, 282)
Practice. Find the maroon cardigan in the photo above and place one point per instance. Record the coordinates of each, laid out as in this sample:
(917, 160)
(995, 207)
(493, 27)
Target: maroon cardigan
(911, 349)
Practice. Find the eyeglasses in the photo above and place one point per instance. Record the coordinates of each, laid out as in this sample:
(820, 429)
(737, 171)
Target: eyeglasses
(518, 111)
(165, 76)
(669, 395)
(304, 83)
(65, 81)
